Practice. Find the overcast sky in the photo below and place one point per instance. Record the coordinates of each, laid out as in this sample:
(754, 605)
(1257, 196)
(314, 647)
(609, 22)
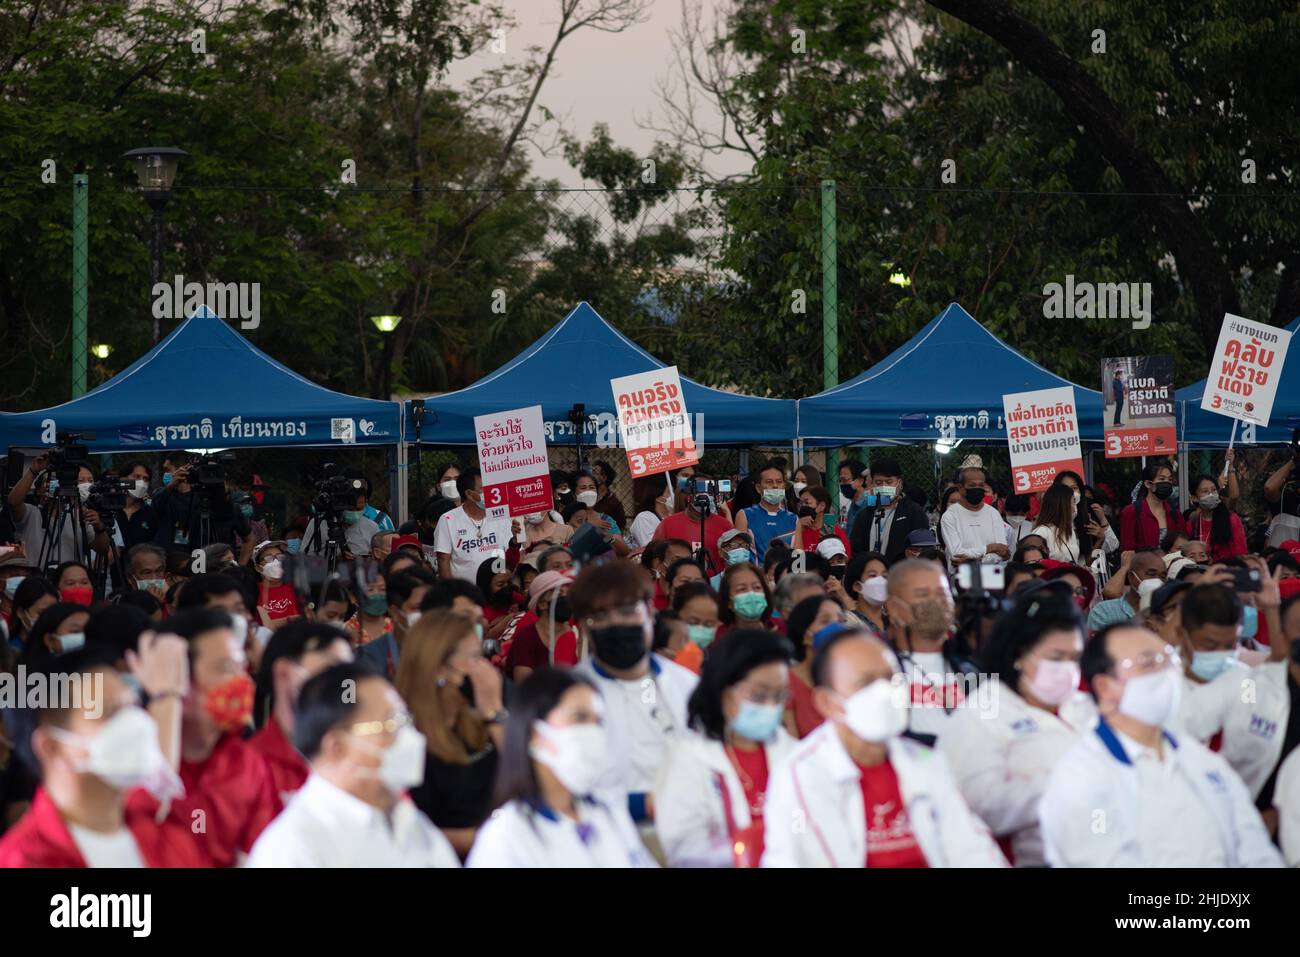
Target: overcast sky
(598, 77)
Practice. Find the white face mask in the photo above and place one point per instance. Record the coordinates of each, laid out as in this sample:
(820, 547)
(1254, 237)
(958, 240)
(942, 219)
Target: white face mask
(1152, 699)
(874, 590)
(240, 628)
(1078, 497)
(141, 489)
(1054, 681)
(587, 498)
(576, 754)
(535, 518)
(273, 570)
(448, 489)
(1147, 588)
(84, 489)
(799, 487)
(125, 753)
(401, 765)
(873, 714)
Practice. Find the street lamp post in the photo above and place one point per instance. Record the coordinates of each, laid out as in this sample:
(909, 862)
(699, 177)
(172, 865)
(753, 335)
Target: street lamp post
(155, 168)
(386, 325)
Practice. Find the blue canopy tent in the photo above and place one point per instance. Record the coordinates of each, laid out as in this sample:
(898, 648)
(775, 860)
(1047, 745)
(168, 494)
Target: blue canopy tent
(573, 363)
(1200, 429)
(206, 386)
(946, 382)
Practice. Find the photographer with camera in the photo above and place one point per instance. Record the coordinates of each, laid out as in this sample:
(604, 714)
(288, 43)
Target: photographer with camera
(697, 506)
(34, 524)
(136, 522)
(195, 508)
(338, 515)
(1283, 498)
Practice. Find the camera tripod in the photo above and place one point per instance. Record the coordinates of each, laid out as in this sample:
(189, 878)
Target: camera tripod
(334, 539)
(64, 502)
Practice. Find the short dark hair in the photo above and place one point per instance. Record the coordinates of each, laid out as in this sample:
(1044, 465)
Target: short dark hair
(445, 591)
(677, 566)
(1210, 605)
(769, 466)
(533, 700)
(821, 663)
(465, 480)
(21, 722)
(622, 581)
(728, 662)
(137, 463)
(855, 467)
(325, 702)
(196, 591)
(801, 617)
(572, 509)
(1022, 627)
(292, 641)
(664, 622)
(858, 564)
(886, 467)
(117, 627)
(398, 587)
(142, 600)
(1096, 658)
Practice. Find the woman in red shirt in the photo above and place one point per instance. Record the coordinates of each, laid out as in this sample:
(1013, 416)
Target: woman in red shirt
(709, 802)
(1145, 522)
(814, 526)
(1212, 522)
(806, 619)
(532, 644)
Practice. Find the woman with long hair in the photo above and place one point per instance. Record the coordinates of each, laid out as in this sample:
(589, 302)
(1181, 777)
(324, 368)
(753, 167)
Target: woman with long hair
(454, 695)
(549, 813)
(710, 795)
(1056, 525)
(1212, 522)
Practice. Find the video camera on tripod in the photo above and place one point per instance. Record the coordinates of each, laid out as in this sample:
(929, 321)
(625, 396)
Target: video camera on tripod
(336, 493)
(65, 461)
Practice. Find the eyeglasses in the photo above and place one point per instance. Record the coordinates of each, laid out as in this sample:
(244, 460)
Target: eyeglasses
(625, 614)
(759, 696)
(1150, 661)
(390, 726)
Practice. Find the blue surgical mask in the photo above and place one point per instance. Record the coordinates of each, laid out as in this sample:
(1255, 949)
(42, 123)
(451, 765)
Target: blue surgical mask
(1249, 622)
(246, 511)
(757, 722)
(293, 544)
(132, 682)
(11, 584)
(145, 584)
(750, 605)
(167, 478)
(773, 496)
(701, 635)
(351, 517)
(73, 641)
(737, 555)
(1208, 665)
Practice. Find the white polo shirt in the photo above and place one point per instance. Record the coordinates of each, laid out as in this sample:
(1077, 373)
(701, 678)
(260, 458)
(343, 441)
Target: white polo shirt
(470, 543)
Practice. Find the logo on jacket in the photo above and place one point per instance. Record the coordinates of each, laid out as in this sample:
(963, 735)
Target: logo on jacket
(1262, 727)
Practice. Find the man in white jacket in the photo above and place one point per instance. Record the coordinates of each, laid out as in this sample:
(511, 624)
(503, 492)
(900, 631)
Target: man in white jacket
(1131, 794)
(854, 793)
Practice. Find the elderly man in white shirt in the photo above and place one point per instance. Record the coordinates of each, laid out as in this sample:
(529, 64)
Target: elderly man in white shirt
(972, 529)
(1130, 793)
(353, 811)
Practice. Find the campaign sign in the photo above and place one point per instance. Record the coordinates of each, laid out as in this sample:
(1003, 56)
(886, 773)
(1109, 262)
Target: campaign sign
(1137, 405)
(1043, 434)
(512, 455)
(655, 424)
(1245, 369)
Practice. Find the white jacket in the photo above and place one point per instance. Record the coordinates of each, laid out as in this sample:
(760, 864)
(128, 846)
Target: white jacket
(1067, 549)
(1252, 710)
(1089, 812)
(1286, 798)
(640, 717)
(690, 820)
(1002, 755)
(814, 815)
(518, 835)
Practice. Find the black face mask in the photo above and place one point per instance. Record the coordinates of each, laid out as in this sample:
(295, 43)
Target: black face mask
(846, 490)
(619, 646)
(975, 496)
(501, 597)
(1163, 490)
(563, 610)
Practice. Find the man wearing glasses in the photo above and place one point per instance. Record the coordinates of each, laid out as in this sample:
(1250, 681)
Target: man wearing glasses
(354, 811)
(645, 694)
(1131, 794)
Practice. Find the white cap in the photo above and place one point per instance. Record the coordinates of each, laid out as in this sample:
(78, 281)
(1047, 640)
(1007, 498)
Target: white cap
(828, 548)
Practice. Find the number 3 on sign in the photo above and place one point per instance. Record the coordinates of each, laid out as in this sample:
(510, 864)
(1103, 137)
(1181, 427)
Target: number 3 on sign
(1114, 446)
(638, 463)
(1022, 481)
(495, 496)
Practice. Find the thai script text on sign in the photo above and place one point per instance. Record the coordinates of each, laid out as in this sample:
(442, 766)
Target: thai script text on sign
(1043, 436)
(512, 455)
(655, 424)
(1244, 372)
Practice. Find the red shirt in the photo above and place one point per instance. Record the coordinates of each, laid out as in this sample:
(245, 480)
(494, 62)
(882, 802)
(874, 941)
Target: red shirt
(527, 650)
(42, 839)
(289, 769)
(890, 841)
(1200, 529)
(660, 596)
(235, 789)
(680, 525)
(807, 719)
(751, 768)
(1138, 527)
(280, 601)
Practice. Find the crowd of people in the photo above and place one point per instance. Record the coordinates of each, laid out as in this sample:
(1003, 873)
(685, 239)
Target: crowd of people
(779, 677)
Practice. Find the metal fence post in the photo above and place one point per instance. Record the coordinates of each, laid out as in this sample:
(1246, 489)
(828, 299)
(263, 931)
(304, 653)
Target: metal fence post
(830, 321)
(80, 277)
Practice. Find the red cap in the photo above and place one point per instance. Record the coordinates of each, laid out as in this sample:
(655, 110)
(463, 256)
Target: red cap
(401, 540)
(1292, 546)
